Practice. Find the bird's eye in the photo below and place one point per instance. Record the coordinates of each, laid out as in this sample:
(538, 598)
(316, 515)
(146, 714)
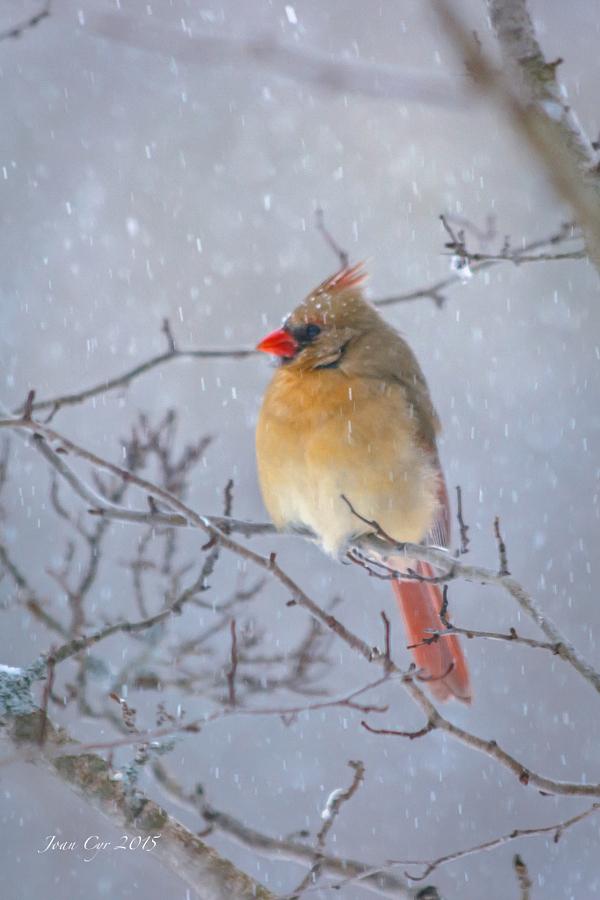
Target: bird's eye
(304, 334)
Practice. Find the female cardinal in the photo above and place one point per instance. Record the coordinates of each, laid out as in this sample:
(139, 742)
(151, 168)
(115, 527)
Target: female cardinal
(347, 426)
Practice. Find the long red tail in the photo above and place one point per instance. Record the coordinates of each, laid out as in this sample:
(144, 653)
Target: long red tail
(442, 661)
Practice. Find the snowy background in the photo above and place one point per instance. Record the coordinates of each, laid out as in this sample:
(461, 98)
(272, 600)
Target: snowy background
(134, 186)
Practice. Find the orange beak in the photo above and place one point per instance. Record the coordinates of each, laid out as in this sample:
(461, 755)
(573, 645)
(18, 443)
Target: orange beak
(279, 343)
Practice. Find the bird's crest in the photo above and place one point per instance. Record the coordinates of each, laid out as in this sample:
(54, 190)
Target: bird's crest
(346, 278)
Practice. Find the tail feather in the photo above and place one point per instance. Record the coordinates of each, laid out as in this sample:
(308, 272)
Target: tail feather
(442, 661)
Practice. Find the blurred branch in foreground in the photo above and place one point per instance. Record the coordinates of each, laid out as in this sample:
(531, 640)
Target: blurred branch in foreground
(301, 64)
(198, 865)
(534, 102)
(535, 106)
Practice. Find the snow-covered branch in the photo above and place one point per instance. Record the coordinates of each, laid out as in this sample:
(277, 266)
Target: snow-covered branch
(208, 874)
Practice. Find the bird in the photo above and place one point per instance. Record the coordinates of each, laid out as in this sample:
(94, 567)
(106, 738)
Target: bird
(346, 447)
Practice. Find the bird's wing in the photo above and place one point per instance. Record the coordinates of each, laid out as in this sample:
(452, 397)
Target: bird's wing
(440, 532)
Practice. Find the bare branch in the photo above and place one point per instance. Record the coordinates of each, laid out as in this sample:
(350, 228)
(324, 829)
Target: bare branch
(50, 667)
(442, 560)
(268, 564)
(457, 246)
(503, 570)
(166, 330)
(382, 542)
(299, 597)
(435, 290)
(335, 801)
(517, 258)
(512, 637)
(536, 108)
(28, 405)
(429, 866)
(31, 601)
(83, 642)
(462, 527)
(342, 255)
(300, 63)
(411, 735)
(522, 52)
(16, 31)
(492, 749)
(387, 653)
(124, 380)
(174, 520)
(477, 262)
(523, 878)
(234, 664)
(286, 713)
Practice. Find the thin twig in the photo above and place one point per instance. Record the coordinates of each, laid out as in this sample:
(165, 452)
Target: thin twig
(462, 526)
(174, 520)
(166, 330)
(522, 873)
(334, 803)
(286, 713)
(341, 254)
(517, 258)
(281, 848)
(429, 866)
(47, 693)
(387, 653)
(234, 663)
(457, 247)
(121, 381)
(28, 405)
(512, 637)
(444, 608)
(411, 735)
(16, 31)
(31, 601)
(83, 642)
(443, 560)
(435, 290)
(492, 749)
(503, 570)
